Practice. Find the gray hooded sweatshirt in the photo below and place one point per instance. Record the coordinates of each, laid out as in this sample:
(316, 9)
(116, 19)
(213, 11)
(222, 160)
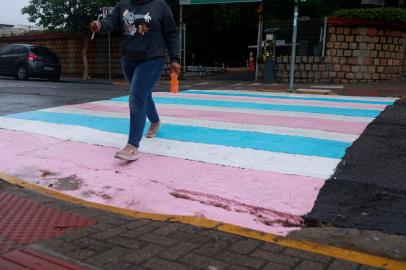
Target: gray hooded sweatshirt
(148, 27)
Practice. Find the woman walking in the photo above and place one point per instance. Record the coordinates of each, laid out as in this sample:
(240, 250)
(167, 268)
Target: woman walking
(148, 31)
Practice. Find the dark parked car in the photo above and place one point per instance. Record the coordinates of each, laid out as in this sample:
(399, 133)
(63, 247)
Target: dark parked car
(23, 61)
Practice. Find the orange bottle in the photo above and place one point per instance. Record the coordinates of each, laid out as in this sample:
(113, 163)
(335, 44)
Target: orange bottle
(174, 83)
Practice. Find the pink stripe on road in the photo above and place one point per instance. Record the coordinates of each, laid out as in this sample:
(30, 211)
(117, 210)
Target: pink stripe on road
(346, 127)
(153, 183)
(280, 101)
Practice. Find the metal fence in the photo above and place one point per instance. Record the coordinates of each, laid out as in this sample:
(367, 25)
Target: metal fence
(310, 36)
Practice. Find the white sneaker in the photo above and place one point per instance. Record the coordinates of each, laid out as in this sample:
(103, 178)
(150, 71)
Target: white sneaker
(129, 153)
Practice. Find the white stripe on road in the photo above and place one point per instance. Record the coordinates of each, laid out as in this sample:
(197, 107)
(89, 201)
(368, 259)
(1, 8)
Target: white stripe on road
(216, 154)
(387, 99)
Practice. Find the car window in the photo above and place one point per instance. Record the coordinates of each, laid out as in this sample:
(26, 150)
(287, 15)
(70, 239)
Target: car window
(19, 50)
(6, 50)
(44, 52)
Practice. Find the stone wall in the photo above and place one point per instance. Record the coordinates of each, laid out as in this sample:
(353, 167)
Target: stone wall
(356, 52)
(309, 69)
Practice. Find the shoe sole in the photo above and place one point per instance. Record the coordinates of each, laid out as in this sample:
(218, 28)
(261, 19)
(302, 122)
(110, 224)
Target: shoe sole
(126, 158)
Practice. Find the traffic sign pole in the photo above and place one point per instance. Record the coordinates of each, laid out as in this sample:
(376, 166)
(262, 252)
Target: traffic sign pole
(294, 37)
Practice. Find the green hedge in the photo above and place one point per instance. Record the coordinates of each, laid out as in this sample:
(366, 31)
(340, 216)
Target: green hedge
(376, 14)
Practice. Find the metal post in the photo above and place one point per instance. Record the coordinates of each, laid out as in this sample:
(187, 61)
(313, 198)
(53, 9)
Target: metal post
(109, 40)
(259, 40)
(324, 37)
(402, 69)
(181, 35)
(294, 36)
(184, 45)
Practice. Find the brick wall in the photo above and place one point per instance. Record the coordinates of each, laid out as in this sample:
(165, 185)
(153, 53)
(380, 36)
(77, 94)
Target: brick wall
(69, 48)
(355, 53)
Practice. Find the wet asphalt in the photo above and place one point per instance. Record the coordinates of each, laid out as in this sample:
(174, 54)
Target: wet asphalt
(21, 96)
(368, 189)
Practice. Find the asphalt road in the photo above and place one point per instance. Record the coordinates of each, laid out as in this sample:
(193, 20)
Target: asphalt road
(368, 189)
(20, 96)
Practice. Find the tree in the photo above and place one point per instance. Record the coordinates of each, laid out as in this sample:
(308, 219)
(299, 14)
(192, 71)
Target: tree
(71, 16)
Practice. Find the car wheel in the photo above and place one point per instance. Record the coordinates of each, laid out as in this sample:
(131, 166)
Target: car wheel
(22, 73)
(54, 79)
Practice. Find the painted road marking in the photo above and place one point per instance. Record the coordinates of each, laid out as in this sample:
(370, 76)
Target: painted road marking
(295, 145)
(256, 106)
(160, 184)
(218, 124)
(259, 100)
(335, 126)
(312, 247)
(296, 95)
(329, 86)
(203, 83)
(293, 97)
(252, 111)
(237, 162)
(236, 157)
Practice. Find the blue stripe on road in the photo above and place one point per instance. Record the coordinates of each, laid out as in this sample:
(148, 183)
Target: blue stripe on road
(243, 139)
(339, 100)
(261, 106)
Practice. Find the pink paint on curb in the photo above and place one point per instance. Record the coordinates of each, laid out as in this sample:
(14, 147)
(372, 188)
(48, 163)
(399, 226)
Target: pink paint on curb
(280, 101)
(346, 127)
(265, 201)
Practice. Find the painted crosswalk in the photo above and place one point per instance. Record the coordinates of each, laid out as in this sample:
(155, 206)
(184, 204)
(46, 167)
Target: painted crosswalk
(219, 154)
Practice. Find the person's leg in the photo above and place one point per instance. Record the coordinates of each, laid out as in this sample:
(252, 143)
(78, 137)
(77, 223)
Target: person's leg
(143, 81)
(129, 152)
(152, 113)
(128, 69)
(153, 117)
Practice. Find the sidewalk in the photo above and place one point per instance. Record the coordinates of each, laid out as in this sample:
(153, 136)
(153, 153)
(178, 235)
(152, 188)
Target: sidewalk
(70, 236)
(390, 88)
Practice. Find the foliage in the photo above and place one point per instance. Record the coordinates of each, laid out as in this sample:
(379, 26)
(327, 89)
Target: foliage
(379, 14)
(71, 15)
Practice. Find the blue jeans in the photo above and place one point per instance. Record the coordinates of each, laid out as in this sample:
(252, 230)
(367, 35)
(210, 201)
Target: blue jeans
(142, 77)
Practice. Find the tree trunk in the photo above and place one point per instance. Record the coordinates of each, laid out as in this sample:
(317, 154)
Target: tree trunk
(401, 3)
(84, 58)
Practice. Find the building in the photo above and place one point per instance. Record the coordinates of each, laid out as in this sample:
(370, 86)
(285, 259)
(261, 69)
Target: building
(5, 26)
(16, 30)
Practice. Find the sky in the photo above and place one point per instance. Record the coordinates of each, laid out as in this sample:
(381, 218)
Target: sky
(10, 12)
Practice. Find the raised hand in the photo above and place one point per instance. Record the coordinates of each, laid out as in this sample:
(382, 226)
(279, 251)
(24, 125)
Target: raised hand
(95, 26)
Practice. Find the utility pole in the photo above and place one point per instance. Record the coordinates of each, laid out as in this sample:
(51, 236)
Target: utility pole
(294, 37)
(181, 38)
(260, 10)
